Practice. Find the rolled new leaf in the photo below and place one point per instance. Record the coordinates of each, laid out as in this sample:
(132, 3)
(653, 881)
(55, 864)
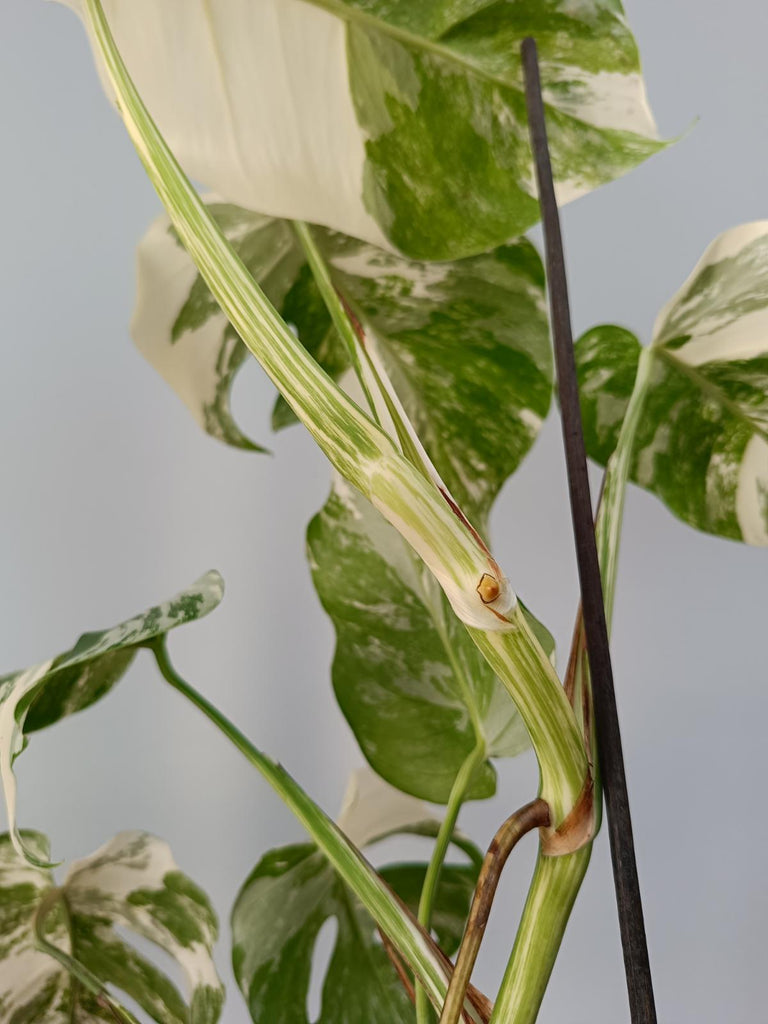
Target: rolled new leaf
(700, 440)
(44, 694)
(401, 122)
(54, 936)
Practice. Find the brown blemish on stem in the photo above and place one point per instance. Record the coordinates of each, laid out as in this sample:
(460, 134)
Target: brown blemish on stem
(488, 588)
(533, 815)
(576, 829)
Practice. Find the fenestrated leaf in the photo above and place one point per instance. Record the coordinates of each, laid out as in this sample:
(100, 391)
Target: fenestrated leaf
(403, 120)
(130, 887)
(466, 343)
(702, 438)
(44, 694)
(292, 892)
(407, 676)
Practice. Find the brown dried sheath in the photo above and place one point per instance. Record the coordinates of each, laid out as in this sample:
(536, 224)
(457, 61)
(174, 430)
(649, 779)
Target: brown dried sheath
(533, 815)
(634, 944)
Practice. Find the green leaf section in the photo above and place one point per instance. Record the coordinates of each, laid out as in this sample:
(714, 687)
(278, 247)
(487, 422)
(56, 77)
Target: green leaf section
(278, 915)
(465, 344)
(438, 91)
(411, 683)
(130, 888)
(46, 693)
(701, 439)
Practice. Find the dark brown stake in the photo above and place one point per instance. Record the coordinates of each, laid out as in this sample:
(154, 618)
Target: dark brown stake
(636, 963)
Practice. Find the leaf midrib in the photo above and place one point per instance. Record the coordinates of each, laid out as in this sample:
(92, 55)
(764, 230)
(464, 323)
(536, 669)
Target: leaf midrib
(403, 35)
(709, 388)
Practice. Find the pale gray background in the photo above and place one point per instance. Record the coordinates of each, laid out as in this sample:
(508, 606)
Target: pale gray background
(112, 498)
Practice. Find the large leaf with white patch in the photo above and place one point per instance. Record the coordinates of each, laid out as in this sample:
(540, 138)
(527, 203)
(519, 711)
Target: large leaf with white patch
(131, 888)
(410, 681)
(292, 893)
(394, 121)
(44, 694)
(702, 438)
(465, 343)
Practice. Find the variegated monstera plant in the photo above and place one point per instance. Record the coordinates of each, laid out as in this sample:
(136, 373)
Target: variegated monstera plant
(371, 179)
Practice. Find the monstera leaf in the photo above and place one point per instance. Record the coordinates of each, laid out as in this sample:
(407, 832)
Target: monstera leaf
(466, 343)
(292, 893)
(51, 937)
(410, 681)
(44, 694)
(702, 438)
(395, 121)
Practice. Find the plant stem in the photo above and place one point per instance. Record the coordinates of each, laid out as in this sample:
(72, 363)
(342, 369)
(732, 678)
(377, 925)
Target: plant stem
(533, 815)
(636, 961)
(554, 887)
(345, 858)
(341, 321)
(459, 789)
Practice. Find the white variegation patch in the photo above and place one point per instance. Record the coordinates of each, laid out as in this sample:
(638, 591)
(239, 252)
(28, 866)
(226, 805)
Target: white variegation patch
(372, 808)
(131, 887)
(253, 99)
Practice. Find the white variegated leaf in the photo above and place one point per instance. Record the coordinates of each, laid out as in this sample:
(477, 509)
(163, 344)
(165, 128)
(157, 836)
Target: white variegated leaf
(129, 888)
(701, 441)
(395, 122)
(44, 694)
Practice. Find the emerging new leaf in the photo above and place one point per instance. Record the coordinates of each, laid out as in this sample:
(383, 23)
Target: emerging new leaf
(41, 695)
(701, 442)
(412, 685)
(130, 888)
(391, 121)
(466, 344)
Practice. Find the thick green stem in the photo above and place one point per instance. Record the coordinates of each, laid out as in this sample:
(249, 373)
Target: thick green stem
(346, 859)
(553, 890)
(516, 657)
(458, 792)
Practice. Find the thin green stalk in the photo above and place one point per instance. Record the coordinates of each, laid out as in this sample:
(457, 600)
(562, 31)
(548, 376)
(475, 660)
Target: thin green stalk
(380, 396)
(458, 792)
(555, 885)
(341, 321)
(611, 512)
(345, 858)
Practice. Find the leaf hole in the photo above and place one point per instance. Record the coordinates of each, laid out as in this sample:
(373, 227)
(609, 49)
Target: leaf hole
(321, 959)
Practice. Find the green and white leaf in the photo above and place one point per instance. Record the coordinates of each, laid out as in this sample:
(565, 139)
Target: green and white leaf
(701, 440)
(412, 685)
(42, 695)
(293, 892)
(130, 888)
(395, 122)
(465, 344)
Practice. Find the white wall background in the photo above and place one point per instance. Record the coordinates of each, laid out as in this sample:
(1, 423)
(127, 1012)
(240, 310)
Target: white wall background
(112, 498)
